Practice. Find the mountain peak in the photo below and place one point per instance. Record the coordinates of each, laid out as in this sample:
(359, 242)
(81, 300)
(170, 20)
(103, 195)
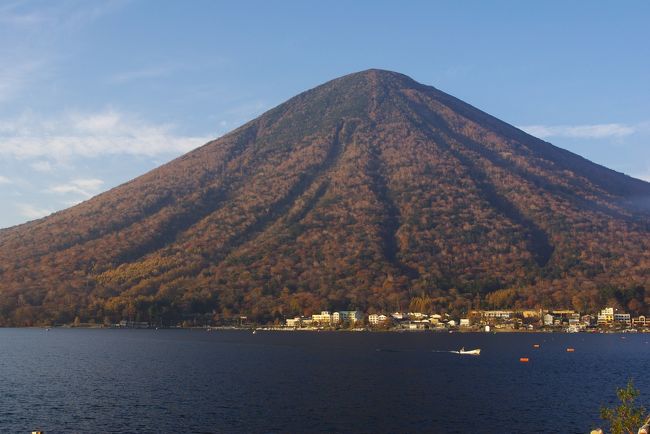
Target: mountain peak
(380, 76)
(371, 80)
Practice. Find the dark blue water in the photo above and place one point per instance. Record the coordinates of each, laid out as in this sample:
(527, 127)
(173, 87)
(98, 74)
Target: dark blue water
(231, 381)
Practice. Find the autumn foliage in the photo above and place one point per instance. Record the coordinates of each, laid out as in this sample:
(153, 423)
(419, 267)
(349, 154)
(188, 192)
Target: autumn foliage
(371, 192)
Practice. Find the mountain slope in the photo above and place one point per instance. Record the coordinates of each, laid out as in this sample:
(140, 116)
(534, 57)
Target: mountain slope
(371, 191)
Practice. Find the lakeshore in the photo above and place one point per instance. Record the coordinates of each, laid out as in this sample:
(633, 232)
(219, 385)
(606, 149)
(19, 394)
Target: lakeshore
(502, 321)
(256, 328)
(608, 320)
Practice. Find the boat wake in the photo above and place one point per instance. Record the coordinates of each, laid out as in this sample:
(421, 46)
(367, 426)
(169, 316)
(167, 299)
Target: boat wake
(462, 351)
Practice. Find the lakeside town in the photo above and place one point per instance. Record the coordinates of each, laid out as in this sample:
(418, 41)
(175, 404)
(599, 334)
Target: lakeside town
(608, 319)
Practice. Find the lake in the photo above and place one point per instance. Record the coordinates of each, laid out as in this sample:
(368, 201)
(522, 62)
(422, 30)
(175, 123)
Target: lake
(172, 381)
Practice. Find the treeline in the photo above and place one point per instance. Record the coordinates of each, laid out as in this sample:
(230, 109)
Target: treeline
(198, 309)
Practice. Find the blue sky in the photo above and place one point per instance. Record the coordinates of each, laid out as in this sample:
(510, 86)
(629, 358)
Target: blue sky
(95, 93)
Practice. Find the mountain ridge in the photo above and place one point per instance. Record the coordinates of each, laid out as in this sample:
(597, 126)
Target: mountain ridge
(368, 191)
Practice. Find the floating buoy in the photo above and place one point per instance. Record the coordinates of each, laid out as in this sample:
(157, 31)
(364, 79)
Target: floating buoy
(523, 359)
(536, 346)
(570, 350)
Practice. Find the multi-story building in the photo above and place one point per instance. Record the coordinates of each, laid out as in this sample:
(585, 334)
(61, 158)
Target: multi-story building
(351, 316)
(418, 324)
(376, 319)
(294, 322)
(606, 316)
(324, 318)
(622, 318)
(497, 314)
(564, 313)
(299, 322)
(548, 319)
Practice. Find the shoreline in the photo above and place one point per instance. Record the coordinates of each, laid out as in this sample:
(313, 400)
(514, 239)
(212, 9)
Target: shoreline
(328, 330)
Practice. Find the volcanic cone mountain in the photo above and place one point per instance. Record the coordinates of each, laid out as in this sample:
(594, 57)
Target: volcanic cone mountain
(371, 191)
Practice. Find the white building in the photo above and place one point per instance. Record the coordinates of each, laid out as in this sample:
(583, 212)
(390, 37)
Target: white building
(324, 318)
(418, 324)
(573, 328)
(606, 316)
(497, 314)
(293, 322)
(375, 319)
(299, 322)
(351, 316)
(548, 319)
(464, 322)
(574, 319)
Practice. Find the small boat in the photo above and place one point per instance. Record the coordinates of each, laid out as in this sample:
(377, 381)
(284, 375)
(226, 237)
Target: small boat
(524, 359)
(476, 352)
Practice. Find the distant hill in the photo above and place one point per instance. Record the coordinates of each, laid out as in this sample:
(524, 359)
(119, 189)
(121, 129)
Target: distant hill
(371, 191)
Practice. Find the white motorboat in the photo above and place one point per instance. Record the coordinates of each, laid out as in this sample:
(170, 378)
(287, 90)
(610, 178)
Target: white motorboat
(475, 352)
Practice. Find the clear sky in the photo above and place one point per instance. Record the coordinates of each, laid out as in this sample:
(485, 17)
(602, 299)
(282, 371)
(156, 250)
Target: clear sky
(94, 93)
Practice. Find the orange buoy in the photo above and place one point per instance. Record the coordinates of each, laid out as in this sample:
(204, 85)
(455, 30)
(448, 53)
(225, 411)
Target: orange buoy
(536, 346)
(570, 350)
(523, 359)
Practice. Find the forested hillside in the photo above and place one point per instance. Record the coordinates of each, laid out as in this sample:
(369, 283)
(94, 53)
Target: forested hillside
(371, 191)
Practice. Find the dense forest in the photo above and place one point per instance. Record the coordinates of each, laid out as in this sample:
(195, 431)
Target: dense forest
(371, 192)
